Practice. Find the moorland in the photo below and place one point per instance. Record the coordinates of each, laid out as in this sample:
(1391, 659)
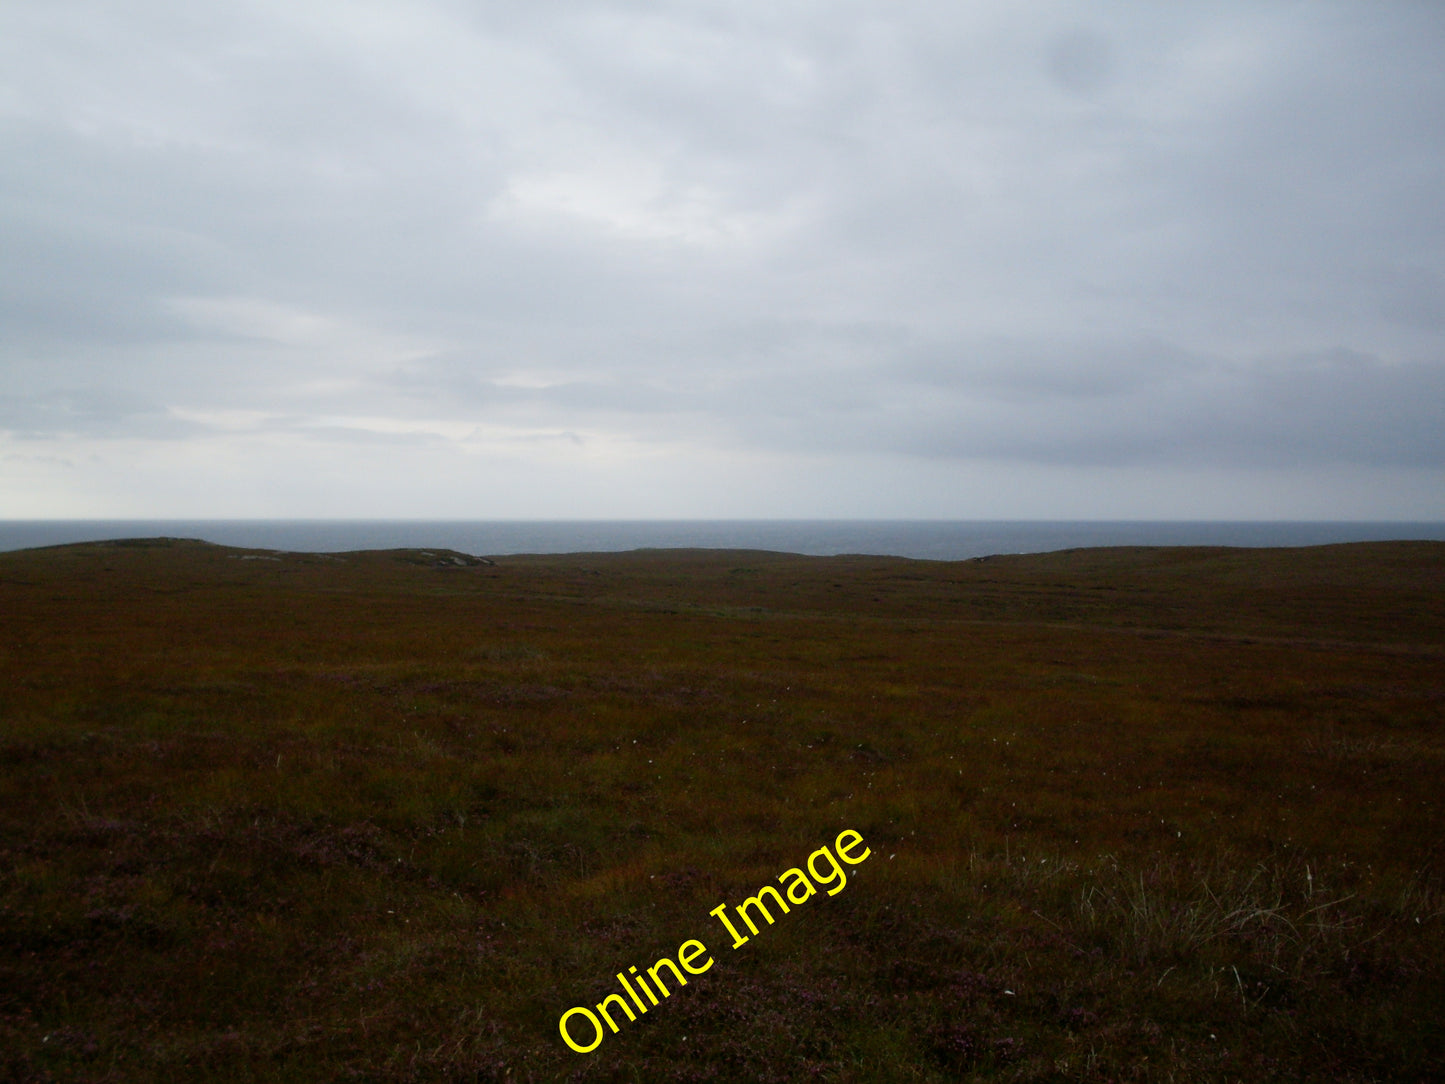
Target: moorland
(1132, 814)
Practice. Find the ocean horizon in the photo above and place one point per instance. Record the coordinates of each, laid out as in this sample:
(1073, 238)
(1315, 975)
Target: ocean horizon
(946, 540)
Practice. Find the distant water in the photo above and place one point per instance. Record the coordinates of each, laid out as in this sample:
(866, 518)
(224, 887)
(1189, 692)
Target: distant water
(948, 540)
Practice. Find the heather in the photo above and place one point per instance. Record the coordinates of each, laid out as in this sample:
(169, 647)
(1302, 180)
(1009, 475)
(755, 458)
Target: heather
(1135, 814)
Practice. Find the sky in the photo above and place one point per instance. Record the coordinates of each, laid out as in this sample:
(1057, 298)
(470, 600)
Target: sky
(893, 259)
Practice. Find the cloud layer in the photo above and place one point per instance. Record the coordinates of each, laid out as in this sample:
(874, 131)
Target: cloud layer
(677, 259)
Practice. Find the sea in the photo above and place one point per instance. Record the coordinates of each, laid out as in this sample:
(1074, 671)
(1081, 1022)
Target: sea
(937, 540)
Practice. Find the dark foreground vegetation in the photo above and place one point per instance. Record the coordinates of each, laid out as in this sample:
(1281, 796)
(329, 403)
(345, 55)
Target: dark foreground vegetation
(1135, 814)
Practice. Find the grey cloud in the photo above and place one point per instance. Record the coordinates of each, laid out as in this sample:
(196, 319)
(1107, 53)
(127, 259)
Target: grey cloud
(1413, 296)
(1120, 403)
(95, 412)
(1333, 409)
(1025, 371)
(1081, 61)
(1052, 233)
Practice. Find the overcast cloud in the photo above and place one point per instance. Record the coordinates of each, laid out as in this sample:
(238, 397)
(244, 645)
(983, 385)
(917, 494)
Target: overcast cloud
(482, 260)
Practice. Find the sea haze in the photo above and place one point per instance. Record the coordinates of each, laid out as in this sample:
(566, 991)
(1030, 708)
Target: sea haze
(945, 540)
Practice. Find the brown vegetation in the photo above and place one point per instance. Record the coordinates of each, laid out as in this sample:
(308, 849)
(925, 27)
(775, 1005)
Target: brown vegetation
(1136, 814)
